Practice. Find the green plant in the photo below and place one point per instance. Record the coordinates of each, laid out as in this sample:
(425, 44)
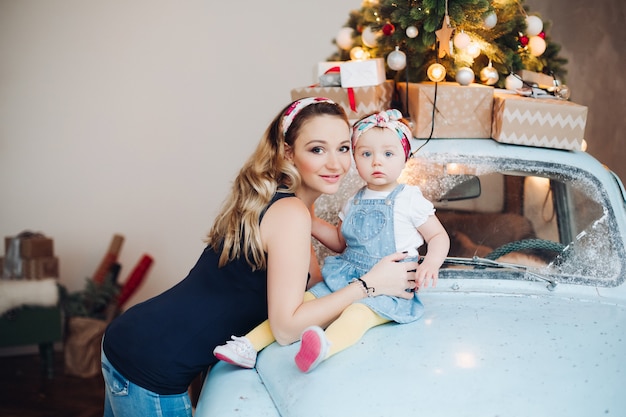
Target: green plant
(94, 301)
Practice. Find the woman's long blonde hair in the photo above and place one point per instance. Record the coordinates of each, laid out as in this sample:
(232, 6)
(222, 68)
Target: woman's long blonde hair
(236, 229)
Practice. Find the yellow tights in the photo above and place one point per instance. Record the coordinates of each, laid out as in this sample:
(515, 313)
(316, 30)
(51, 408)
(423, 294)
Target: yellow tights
(349, 327)
(261, 336)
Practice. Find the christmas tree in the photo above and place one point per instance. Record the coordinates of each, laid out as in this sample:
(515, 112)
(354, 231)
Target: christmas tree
(493, 38)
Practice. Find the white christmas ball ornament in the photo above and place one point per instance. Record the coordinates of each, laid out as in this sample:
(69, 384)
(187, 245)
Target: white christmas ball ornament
(464, 76)
(489, 75)
(513, 82)
(412, 32)
(461, 40)
(396, 59)
(490, 21)
(369, 37)
(536, 45)
(344, 38)
(534, 25)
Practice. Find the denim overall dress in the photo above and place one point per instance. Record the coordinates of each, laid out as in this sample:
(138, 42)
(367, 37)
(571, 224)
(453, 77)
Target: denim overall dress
(369, 234)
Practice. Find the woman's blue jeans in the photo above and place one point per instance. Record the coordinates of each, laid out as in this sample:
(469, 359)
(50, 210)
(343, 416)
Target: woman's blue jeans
(122, 398)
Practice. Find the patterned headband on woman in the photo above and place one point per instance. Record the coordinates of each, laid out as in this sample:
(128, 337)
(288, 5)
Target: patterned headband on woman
(297, 106)
(389, 119)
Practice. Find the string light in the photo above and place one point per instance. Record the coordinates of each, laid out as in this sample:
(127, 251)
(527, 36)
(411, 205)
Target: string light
(358, 54)
(436, 72)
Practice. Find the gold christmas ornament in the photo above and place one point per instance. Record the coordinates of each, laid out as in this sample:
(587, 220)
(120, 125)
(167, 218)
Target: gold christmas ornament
(536, 45)
(489, 75)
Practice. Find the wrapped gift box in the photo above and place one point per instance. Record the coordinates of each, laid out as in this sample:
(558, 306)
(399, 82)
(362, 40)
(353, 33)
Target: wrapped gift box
(461, 111)
(328, 73)
(542, 122)
(39, 268)
(324, 66)
(34, 246)
(367, 100)
(36, 268)
(362, 73)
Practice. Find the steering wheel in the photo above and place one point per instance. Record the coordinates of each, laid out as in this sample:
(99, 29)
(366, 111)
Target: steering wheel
(518, 245)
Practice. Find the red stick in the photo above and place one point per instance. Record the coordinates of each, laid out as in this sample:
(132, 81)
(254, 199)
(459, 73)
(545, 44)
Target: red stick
(135, 278)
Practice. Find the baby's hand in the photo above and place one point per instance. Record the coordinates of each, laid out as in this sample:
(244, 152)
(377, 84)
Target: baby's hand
(425, 275)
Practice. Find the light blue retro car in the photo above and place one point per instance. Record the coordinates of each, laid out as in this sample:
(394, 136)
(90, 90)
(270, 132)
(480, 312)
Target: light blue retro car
(528, 317)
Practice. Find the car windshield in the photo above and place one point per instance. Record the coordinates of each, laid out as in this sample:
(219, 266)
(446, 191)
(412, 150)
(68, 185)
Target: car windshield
(513, 219)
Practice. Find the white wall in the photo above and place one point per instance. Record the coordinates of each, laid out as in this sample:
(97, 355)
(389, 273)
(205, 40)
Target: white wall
(133, 117)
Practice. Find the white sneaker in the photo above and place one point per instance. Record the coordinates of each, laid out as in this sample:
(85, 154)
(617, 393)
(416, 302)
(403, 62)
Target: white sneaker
(313, 348)
(238, 351)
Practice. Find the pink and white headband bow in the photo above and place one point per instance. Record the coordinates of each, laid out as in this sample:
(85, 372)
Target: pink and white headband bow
(297, 106)
(389, 119)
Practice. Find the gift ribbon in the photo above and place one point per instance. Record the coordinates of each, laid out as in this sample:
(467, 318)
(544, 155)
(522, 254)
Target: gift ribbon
(350, 90)
(352, 99)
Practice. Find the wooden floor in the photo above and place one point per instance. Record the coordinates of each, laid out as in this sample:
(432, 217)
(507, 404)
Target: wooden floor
(26, 392)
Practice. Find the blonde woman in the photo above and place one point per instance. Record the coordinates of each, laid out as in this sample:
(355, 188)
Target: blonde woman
(382, 218)
(255, 267)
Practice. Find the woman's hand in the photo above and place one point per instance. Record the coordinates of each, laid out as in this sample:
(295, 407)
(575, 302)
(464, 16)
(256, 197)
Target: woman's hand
(392, 277)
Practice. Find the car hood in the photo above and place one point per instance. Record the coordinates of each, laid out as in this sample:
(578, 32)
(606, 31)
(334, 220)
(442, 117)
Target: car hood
(471, 354)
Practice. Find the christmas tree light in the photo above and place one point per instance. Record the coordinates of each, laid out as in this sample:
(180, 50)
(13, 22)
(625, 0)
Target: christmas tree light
(482, 35)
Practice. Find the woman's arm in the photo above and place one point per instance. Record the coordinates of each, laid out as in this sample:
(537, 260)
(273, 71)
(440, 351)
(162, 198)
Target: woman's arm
(315, 273)
(438, 246)
(286, 235)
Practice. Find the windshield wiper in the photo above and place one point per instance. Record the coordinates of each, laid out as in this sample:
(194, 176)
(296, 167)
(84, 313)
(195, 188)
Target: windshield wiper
(479, 263)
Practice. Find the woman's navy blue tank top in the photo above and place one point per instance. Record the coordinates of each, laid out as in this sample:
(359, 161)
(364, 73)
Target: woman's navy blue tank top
(163, 343)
